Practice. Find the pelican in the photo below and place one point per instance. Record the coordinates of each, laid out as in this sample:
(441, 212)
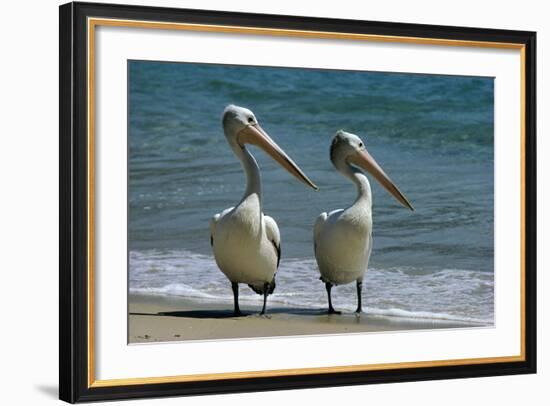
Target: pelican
(246, 243)
(343, 238)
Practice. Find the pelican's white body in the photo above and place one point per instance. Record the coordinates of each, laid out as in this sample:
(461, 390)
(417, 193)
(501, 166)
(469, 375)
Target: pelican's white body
(343, 242)
(245, 243)
(343, 238)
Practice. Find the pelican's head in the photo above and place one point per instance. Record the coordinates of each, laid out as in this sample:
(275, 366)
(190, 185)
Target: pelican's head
(241, 127)
(235, 119)
(349, 149)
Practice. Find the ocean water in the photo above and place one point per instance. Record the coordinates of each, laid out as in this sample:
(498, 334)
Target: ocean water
(432, 134)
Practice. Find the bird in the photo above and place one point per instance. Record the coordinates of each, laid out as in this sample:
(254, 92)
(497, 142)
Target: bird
(342, 238)
(246, 243)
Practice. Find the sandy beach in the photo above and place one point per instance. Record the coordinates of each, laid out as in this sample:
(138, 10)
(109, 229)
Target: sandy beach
(161, 319)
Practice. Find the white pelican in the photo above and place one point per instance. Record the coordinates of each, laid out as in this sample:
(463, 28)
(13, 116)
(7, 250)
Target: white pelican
(343, 238)
(246, 243)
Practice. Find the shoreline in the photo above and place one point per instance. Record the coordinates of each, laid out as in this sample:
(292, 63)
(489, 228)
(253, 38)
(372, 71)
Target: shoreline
(154, 319)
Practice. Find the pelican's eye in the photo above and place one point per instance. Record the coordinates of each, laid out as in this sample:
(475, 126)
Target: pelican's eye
(251, 120)
(360, 145)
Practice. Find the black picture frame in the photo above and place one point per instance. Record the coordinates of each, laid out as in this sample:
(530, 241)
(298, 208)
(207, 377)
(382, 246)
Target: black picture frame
(74, 199)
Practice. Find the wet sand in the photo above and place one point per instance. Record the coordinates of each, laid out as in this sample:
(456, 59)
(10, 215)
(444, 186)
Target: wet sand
(161, 319)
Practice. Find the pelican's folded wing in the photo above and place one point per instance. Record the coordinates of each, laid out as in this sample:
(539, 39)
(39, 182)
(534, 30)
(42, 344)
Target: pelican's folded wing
(272, 232)
(317, 228)
(213, 221)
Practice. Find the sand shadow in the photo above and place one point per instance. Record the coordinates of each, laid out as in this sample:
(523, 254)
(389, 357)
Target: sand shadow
(196, 314)
(205, 314)
(228, 314)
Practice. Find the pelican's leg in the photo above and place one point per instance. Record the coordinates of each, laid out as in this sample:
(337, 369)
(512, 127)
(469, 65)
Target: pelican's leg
(266, 292)
(331, 310)
(235, 287)
(359, 290)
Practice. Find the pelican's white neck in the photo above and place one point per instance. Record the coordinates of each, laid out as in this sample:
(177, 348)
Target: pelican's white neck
(252, 172)
(364, 193)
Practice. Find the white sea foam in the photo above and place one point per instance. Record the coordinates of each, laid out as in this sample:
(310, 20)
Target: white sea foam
(412, 293)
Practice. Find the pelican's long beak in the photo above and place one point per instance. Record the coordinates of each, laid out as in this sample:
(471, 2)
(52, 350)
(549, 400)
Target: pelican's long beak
(364, 160)
(253, 134)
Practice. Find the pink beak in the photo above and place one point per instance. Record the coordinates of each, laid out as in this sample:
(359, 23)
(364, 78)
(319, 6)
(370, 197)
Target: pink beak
(253, 134)
(364, 160)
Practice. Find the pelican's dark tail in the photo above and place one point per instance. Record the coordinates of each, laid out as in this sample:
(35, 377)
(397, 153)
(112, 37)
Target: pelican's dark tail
(260, 290)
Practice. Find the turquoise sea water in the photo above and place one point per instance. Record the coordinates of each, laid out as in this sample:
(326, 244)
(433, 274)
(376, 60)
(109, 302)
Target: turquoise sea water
(432, 134)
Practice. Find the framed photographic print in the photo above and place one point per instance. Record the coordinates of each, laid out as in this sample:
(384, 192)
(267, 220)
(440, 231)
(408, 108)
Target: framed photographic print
(257, 202)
